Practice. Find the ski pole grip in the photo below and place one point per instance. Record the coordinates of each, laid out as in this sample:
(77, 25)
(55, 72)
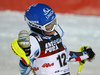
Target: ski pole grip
(19, 52)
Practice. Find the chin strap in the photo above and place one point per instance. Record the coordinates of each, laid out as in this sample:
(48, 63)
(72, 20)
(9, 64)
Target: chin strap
(56, 39)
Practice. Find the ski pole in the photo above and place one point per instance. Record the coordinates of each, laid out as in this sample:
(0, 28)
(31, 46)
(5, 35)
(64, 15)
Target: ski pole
(19, 52)
(80, 63)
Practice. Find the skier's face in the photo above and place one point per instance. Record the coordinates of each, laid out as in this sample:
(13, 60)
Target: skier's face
(49, 33)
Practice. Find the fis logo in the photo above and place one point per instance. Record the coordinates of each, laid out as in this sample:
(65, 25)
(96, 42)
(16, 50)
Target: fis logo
(65, 70)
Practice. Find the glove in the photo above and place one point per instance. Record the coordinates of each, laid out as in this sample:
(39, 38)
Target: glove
(24, 41)
(81, 50)
(90, 53)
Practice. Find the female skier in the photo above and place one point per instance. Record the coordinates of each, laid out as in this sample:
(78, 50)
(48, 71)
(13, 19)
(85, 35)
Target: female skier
(44, 46)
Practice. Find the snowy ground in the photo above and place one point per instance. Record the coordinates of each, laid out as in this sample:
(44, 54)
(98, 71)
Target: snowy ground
(79, 30)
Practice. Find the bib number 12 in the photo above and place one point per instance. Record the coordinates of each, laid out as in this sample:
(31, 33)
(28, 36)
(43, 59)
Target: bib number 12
(62, 60)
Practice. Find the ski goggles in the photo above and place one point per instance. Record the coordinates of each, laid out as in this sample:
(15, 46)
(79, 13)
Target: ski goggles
(47, 27)
(50, 26)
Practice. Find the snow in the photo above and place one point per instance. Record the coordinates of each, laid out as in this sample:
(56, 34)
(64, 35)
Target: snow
(79, 31)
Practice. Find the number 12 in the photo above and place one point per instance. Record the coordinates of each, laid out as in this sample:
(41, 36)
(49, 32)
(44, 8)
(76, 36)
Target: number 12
(62, 60)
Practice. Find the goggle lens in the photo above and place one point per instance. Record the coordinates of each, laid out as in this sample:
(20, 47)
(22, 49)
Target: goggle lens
(51, 26)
